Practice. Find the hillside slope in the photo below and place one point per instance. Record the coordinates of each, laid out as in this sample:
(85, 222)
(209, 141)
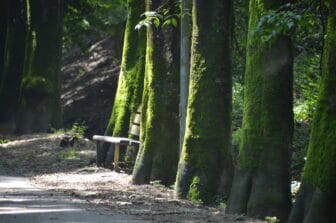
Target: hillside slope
(88, 85)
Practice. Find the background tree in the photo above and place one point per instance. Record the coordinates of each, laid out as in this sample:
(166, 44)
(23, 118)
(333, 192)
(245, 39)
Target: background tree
(13, 57)
(3, 27)
(261, 184)
(39, 99)
(316, 199)
(206, 154)
(131, 78)
(158, 155)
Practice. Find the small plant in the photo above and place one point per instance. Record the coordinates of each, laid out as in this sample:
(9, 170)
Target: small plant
(78, 129)
(69, 154)
(272, 219)
(81, 72)
(222, 205)
(162, 16)
(57, 131)
(3, 141)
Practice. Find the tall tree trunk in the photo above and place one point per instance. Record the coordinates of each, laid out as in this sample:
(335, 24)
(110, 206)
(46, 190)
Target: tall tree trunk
(158, 155)
(185, 65)
(316, 201)
(261, 184)
(4, 7)
(13, 64)
(39, 100)
(206, 150)
(131, 78)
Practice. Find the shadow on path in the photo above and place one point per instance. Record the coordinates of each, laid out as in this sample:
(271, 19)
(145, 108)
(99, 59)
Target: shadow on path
(20, 202)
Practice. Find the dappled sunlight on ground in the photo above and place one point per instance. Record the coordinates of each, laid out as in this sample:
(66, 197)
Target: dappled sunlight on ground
(21, 202)
(68, 175)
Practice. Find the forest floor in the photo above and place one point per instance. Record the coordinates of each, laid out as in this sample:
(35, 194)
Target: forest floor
(72, 171)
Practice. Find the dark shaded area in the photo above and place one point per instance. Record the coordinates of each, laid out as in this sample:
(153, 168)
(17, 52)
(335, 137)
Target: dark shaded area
(89, 81)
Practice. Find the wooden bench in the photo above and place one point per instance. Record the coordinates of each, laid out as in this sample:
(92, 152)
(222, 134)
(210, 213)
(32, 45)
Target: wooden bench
(117, 141)
(121, 141)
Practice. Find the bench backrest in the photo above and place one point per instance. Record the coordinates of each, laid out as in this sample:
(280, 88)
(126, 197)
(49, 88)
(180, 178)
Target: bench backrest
(135, 127)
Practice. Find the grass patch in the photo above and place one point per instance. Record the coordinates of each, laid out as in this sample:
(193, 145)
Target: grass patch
(69, 154)
(77, 129)
(3, 141)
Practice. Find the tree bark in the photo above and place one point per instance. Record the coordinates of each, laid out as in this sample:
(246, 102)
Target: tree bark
(130, 84)
(261, 185)
(185, 65)
(4, 7)
(206, 154)
(158, 155)
(13, 55)
(316, 201)
(39, 100)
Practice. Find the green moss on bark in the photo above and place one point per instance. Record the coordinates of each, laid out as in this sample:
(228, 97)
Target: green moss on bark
(263, 167)
(316, 199)
(321, 159)
(131, 78)
(158, 155)
(130, 85)
(206, 149)
(39, 100)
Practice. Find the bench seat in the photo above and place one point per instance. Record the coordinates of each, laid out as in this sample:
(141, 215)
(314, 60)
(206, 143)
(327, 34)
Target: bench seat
(111, 139)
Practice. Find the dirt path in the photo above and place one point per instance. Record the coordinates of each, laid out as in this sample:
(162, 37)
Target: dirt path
(21, 202)
(66, 187)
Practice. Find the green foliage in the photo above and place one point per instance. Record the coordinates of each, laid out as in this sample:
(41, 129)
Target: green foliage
(68, 154)
(222, 205)
(272, 219)
(162, 16)
(308, 46)
(241, 12)
(78, 129)
(236, 141)
(285, 20)
(273, 23)
(3, 141)
(320, 167)
(91, 18)
(306, 85)
(237, 105)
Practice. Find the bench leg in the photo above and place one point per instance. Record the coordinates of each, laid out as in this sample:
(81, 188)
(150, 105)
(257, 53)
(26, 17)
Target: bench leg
(99, 159)
(116, 157)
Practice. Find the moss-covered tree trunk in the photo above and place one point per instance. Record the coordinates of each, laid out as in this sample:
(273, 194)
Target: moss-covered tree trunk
(206, 155)
(158, 155)
(13, 56)
(261, 185)
(39, 99)
(130, 85)
(316, 201)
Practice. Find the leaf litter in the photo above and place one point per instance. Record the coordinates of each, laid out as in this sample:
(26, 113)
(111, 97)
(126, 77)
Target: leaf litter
(52, 167)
